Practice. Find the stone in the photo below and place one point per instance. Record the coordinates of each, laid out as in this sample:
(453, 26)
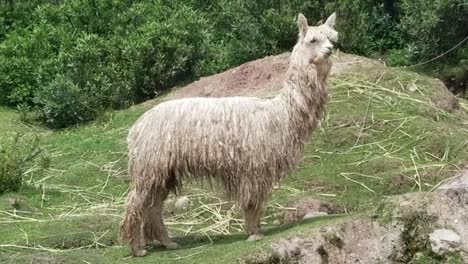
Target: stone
(183, 204)
(444, 241)
(457, 188)
(299, 208)
(412, 87)
(311, 215)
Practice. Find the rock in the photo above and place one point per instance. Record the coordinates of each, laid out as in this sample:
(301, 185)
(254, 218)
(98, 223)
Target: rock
(398, 234)
(285, 249)
(15, 203)
(296, 250)
(444, 99)
(299, 208)
(183, 204)
(412, 87)
(19, 204)
(360, 241)
(444, 241)
(457, 188)
(311, 215)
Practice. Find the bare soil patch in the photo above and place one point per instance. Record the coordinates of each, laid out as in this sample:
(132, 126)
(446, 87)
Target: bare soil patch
(262, 77)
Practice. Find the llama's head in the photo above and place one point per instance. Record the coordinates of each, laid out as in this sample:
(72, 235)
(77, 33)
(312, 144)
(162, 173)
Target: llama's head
(315, 44)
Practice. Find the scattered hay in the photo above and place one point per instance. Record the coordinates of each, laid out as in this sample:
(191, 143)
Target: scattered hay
(93, 222)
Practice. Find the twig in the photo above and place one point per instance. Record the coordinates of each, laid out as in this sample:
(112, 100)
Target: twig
(363, 122)
(360, 183)
(440, 56)
(417, 176)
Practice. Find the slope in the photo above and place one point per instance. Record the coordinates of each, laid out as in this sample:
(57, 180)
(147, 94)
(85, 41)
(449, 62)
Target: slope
(387, 131)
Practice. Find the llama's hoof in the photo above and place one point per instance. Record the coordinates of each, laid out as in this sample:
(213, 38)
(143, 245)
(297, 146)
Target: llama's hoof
(171, 245)
(140, 253)
(254, 237)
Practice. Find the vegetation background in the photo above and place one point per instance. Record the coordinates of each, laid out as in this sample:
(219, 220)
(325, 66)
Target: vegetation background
(71, 60)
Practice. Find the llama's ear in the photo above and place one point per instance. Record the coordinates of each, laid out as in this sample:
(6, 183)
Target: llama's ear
(331, 20)
(302, 24)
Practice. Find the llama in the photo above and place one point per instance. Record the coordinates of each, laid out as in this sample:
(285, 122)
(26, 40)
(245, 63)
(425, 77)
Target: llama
(246, 144)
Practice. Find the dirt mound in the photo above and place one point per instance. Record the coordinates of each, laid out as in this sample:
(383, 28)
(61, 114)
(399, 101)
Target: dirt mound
(262, 77)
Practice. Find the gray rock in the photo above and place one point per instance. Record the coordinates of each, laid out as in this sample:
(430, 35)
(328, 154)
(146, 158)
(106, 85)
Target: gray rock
(444, 241)
(183, 204)
(311, 215)
(365, 240)
(298, 208)
(276, 222)
(457, 187)
(412, 88)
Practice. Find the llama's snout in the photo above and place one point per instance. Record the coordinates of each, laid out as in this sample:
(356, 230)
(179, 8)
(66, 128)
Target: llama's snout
(328, 49)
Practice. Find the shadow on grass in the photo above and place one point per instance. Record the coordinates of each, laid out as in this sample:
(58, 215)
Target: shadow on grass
(193, 241)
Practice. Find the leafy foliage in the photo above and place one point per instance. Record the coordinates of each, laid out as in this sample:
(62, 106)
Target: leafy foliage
(74, 59)
(15, 158)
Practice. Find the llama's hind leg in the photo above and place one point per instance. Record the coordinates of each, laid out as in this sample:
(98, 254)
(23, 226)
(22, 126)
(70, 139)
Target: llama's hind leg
(253, 213)
(155, 228)
(131, 224)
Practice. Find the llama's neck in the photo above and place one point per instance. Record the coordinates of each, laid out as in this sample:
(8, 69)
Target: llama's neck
(305, 94)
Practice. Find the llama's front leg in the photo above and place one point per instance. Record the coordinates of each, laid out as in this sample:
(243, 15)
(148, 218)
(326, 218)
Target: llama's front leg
(155, 228)
(161, 232)
(252, 221)
(136, 246)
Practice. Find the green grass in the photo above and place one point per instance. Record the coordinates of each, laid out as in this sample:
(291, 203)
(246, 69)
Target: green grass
(193, 249)
(383, 135)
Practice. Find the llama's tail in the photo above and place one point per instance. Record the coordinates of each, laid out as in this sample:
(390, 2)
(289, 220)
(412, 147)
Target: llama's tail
(131, 223)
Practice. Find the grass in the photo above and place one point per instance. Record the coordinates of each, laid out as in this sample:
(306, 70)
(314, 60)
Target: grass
(383, 135)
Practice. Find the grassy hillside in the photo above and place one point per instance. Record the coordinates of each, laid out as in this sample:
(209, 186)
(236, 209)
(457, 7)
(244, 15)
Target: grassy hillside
(387, 131)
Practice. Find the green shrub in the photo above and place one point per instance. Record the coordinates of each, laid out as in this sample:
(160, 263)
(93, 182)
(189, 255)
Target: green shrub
(429, 28)
(15, 158)
(16, 14)
(73, 59)
(164, 51)
(399, 57)
(16, 69)
(354, 24)
(97, 73)
(10, 171)
(62, 103)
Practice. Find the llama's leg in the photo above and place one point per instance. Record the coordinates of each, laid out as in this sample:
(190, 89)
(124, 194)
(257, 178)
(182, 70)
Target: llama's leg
(253, 213)
(130, 228)
(155, 228)
(136, 246)
(150, 225)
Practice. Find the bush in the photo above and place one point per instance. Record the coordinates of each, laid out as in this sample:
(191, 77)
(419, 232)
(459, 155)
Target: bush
(166, 50)
(62, 103)
(81, 58)
(430, 28)
(16, 70)
(80, 83)
(15, 158)
(10, 171)
(73, 59)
